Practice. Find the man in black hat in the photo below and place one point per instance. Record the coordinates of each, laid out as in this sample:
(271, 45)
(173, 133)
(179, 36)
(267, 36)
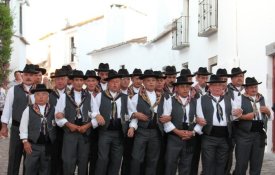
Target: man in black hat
(91, 81)
(147, 143)
(113, 111)
(202, 76)
(102, 71)
(125, 80)
(182, 108)
(128, 142)
(136, 82)
(222, 73)
(73, 114)
(38, 76)
(37, 132)
(216, 109)
(234, 90)
(60, 79)
(187, 73)
(18, 97)
(250, 131)
(68, 69)
(171, 75)
(198, 90)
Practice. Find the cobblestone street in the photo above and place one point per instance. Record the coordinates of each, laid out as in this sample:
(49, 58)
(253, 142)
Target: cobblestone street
(268, 166)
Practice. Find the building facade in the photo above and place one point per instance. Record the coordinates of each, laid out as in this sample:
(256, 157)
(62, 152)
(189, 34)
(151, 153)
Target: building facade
(153, 34)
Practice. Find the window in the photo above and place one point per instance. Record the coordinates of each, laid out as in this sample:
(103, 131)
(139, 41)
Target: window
(208, 17)
(185, 65)
(212, 64)
(180, 29)
(73, 49)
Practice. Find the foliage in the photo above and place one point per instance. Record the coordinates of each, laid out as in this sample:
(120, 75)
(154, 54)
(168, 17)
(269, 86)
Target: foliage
(6, 33)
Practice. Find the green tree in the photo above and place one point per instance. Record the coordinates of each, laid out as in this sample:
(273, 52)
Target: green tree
(6, 33)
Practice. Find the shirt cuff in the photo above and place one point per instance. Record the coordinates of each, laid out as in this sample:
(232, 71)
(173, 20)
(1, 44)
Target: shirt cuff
(94, 123)
(61, 122)
(168, 127)
(23, 136)
(198, 129)
(94, 114)
(133, 124)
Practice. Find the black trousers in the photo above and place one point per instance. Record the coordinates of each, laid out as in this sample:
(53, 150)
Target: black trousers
(56, 160)
(93, 151)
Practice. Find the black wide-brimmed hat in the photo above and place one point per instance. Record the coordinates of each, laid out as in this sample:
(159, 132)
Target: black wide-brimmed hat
(68, 69)
(170, 70)
(112, 75)
(236, 71)
(160, 74)
(91, 74)
(186, 72)
(222, 73)
(29, 68)
(215, 79)
(76, 74)
(148, 73)
(203, 71)
(59, 73)
(40, 88)
(136, 72)
(182, 80)
(40, 69)
(251, 81)
(124, 73)
(103, 67)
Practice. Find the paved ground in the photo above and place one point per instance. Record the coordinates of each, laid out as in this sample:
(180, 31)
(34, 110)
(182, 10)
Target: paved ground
(268, 165)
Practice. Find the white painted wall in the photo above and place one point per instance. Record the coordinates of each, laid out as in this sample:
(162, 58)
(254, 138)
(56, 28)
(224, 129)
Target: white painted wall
(18, 56)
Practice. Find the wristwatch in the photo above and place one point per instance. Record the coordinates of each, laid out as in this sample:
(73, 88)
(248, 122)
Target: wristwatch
(24, 140)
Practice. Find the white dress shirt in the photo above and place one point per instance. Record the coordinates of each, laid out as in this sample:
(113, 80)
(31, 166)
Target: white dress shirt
(124, 91)
(23, 128)
(167, 109)
(223, 122)
(103, 86)
(152, 96)
(7, 111)
(136, 90)
(97, 100)
(61, 104)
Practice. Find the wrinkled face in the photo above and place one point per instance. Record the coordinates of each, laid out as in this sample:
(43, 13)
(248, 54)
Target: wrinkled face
(137, 82)
(202, 79)
(125, 82)
(41, 98)
(38, 78)
(114, 84)
(251, 90)
(60, 82)
(183, 90)
(238, 80)
(216, 89)
(160, 84)
(91, 83)
(150, 83)
(103, 75)
(170, 79)
(78, 83)
(27, 78)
